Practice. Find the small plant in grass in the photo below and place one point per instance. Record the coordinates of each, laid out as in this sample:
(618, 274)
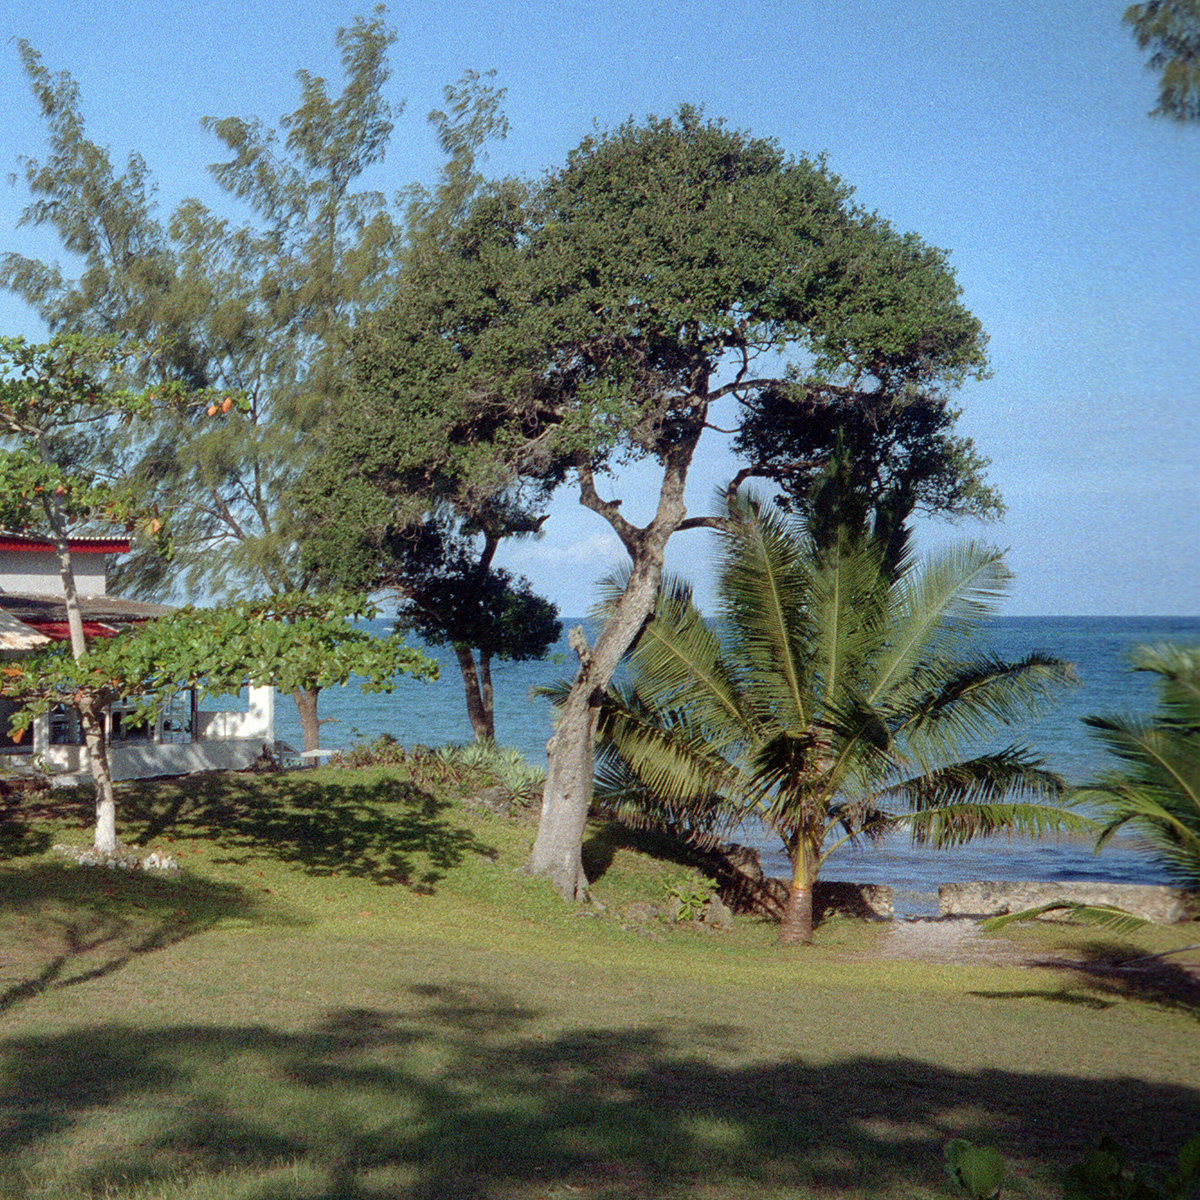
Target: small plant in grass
(382, 751)
(1105, 1174)
(689, 892)
(504, 764)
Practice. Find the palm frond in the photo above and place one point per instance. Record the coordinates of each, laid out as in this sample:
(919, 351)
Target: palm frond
(762, 585)
(675, 760)
(847, 616)
(1101, 916)
(959, 823)
(933, 610)
(1178, 669)
(958, 704)
(679, 661)
(1157, 791)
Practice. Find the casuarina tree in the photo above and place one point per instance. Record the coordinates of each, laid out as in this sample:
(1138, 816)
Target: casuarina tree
(263, 307)
(560, 330)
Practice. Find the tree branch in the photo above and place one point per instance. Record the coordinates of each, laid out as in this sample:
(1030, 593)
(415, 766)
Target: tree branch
(630, 535)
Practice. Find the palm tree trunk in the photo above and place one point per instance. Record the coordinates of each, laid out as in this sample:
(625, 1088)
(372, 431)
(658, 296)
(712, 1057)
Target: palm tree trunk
(796, 926)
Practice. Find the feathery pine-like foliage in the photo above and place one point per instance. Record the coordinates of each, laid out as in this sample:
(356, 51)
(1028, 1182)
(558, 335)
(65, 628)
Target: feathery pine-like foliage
(1171, 30)
(1155, 793)
(832, 699)
(261, 308)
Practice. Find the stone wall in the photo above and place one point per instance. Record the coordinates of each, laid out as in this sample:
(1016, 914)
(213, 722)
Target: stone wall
(1160, 905)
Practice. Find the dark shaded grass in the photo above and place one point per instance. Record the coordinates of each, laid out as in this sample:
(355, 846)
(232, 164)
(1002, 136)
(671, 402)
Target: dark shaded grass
(450, 1094)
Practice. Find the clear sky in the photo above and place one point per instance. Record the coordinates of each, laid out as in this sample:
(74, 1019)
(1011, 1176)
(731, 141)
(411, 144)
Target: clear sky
(1014, 135)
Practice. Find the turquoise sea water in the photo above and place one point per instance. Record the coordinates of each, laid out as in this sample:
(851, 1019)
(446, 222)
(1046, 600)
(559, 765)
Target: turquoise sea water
(1099, 647)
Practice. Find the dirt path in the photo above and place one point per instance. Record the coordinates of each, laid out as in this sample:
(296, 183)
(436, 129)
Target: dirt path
(949, 940)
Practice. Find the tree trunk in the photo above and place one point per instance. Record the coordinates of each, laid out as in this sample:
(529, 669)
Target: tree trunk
(479, 708)
(306, 705)
(568, 796)
(91, 717)
(796, 925)
(91, 710)
(568, 793)
(486, 695)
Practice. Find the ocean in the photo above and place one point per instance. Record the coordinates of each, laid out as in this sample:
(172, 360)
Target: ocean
(434, 714)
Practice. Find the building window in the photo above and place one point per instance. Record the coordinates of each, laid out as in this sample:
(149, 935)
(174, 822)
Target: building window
(66, 729)
(178, 717)
(174, 723)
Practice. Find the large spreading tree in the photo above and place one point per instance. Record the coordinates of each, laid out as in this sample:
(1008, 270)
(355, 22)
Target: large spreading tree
(561, 330)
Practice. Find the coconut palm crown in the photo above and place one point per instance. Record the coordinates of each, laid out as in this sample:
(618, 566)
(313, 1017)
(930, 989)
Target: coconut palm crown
(1156, 791)
(834, 698)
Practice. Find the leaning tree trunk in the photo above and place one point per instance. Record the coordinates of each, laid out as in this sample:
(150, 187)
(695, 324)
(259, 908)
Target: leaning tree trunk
(479, 707)
(557, 850)
(306, 705)
(568, 793)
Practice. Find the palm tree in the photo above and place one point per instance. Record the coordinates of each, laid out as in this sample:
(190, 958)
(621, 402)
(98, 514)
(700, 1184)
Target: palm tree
(1157, 792)
(834, 704)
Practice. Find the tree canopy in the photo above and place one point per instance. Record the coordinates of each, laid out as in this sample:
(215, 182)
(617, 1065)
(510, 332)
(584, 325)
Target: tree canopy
(556, 331)
(1170, 29)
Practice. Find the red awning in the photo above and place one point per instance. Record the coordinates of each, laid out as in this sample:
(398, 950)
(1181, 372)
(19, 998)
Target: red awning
(79, 545)
(60, 631)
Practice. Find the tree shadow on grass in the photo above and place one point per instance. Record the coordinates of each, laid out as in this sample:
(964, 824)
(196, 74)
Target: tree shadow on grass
(1126, 972)
(604, 840)
(1123, 972)
(64, 925)
(386, 830)
(457, 1092)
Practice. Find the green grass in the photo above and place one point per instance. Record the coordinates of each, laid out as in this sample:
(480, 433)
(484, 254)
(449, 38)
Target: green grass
(350, 992)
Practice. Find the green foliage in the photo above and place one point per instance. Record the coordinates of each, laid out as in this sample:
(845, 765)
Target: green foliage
(582, 322)
(1172, 29)
(978, 1170)
(563, 329)
(1104, 1174)
(831, 700)
(289, 641)
(689, 892)
(1155, 793)
(55, 396)
(263, 308)
(1100, 916)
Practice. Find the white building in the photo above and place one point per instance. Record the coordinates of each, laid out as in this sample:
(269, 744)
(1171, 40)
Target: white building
(180, 740)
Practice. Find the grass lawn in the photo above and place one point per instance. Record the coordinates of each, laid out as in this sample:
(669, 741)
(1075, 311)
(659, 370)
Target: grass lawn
(348, 992)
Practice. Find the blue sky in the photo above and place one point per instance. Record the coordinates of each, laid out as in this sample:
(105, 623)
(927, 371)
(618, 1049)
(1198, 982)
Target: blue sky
(1014, 135)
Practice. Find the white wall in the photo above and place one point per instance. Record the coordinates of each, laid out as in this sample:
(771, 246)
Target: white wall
(228, 741)
(38, 572)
